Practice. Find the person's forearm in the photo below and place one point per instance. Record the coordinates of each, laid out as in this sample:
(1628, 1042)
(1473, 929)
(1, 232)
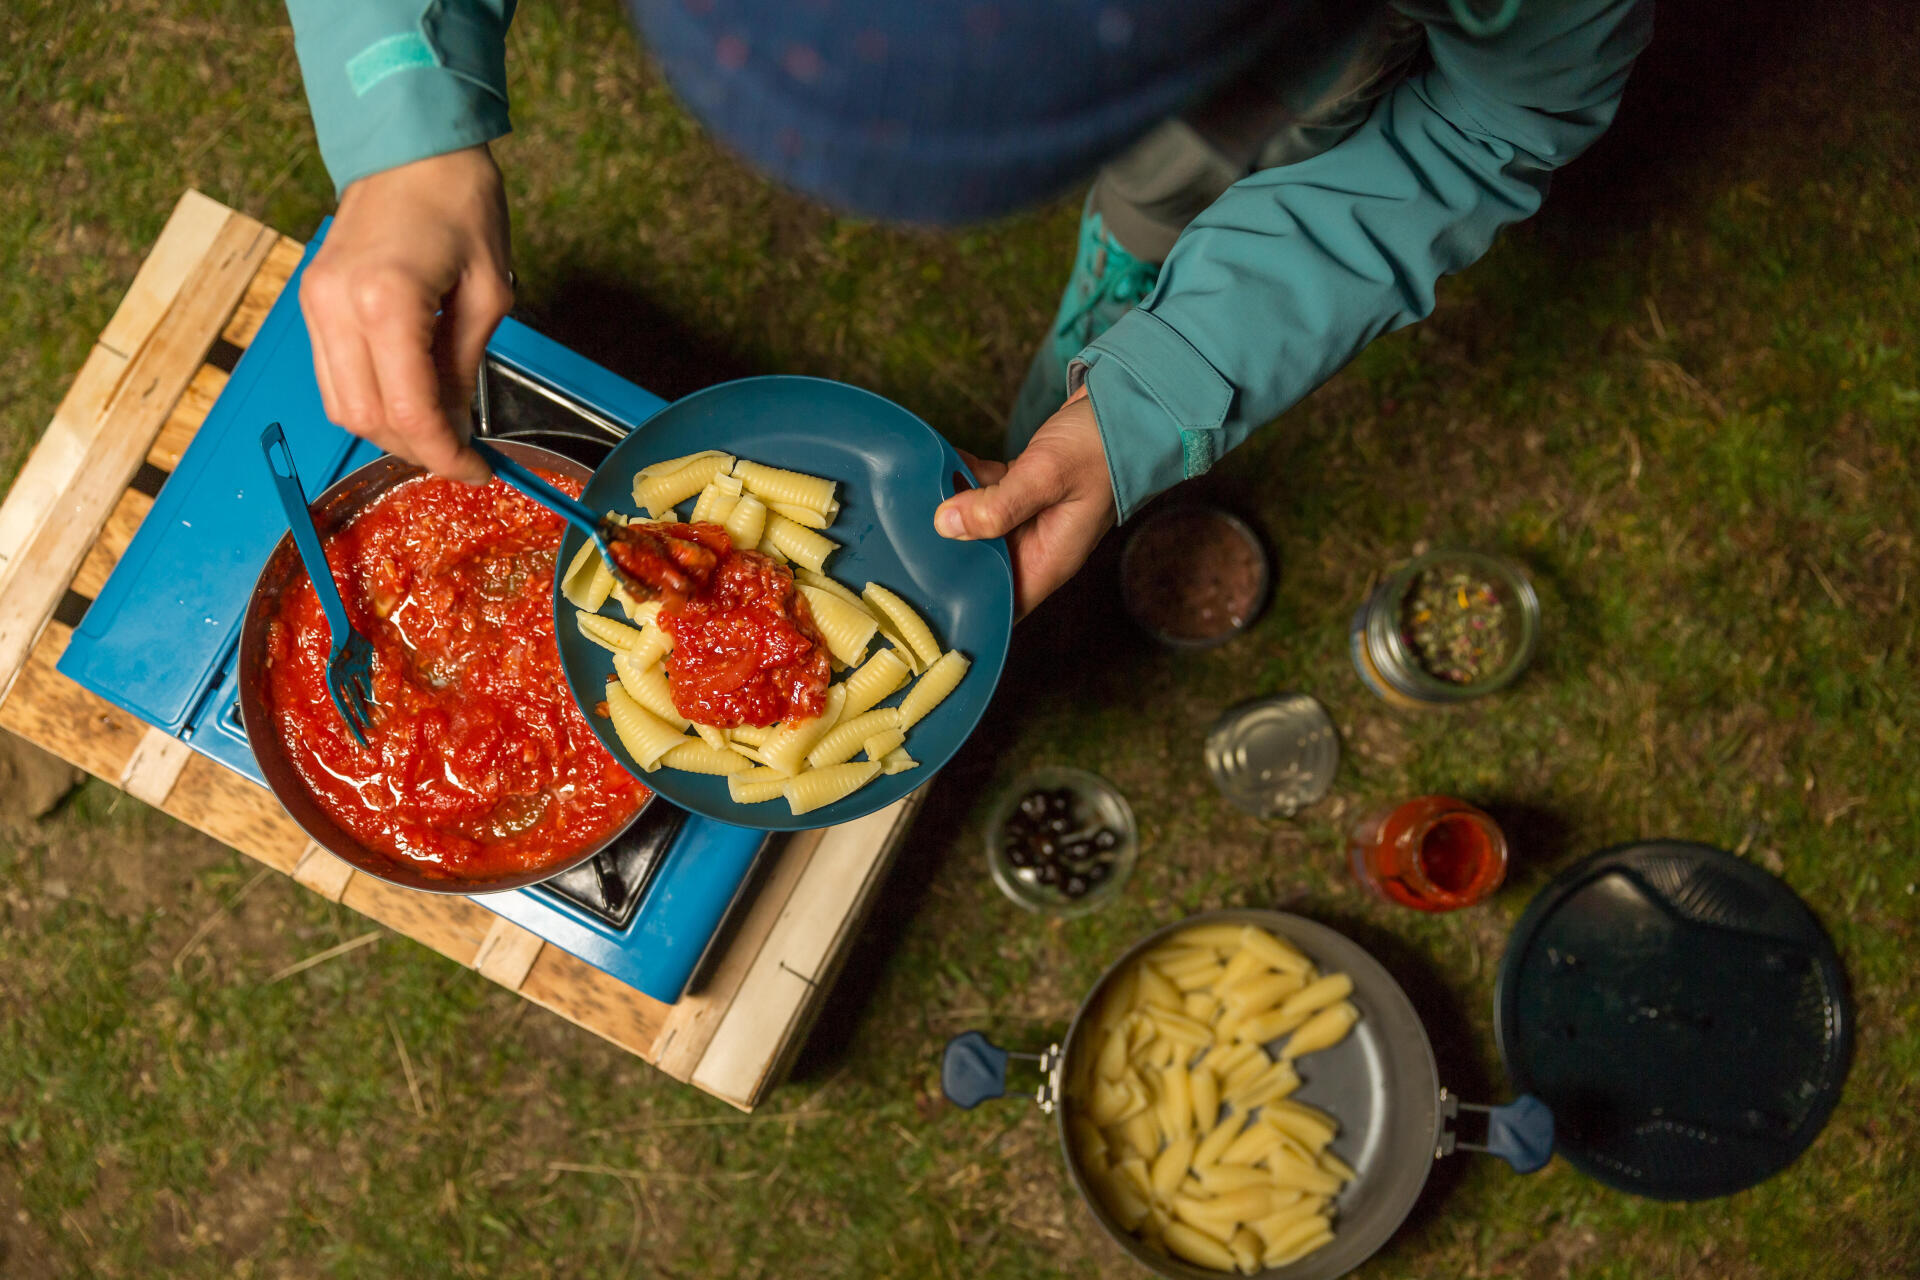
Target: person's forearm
(392, 81)
(1291, 272)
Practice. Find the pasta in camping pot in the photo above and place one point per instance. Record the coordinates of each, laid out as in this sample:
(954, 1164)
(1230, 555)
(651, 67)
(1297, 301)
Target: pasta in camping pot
(1182, 1121)
(881, 645)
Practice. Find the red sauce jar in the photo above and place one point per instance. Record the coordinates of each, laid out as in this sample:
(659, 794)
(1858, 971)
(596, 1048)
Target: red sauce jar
(1431, 853)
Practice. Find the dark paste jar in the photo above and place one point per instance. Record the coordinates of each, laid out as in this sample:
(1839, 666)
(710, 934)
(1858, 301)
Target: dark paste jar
(1446, 627)
(1194, 576)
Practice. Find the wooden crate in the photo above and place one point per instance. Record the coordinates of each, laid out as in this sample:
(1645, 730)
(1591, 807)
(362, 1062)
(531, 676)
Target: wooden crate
(142, 393)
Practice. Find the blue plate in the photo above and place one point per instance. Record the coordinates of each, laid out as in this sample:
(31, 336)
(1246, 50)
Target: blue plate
(892, 470)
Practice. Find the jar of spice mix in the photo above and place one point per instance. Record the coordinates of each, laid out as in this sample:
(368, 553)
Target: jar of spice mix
(1444, 628)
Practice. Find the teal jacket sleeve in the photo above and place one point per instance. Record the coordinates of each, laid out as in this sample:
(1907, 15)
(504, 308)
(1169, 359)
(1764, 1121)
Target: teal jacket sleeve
(391, 81)
(1286, 276)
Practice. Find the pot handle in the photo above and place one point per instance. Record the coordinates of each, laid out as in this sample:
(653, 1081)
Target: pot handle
(1521, 1132)
(973, 1069)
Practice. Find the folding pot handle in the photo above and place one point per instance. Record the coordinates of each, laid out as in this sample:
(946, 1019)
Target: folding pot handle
(973, 1069)
(1521, 1132)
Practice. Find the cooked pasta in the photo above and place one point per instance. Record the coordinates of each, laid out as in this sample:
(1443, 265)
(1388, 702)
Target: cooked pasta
(743, 788)
(661, 492)
(818, 787)
(746, 521)
(840, 743)
(787, 749)
(698, 757)
(811, 517)
(847, 630)
(605, 632)
(645, 736)
(797, 542)
(652, 645)
(931, 689)
(772, 484)
(912, 628)
(875, 680)
(580, 575)
(877, 747)
(814, 763)
(647, 685)
(1188, 1135)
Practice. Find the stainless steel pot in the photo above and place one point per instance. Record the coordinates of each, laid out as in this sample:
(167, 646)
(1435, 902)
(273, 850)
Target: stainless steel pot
(342, 501)
(1381, 1083)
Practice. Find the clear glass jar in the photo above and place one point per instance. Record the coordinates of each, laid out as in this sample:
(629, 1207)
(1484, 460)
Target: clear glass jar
(1386, 659)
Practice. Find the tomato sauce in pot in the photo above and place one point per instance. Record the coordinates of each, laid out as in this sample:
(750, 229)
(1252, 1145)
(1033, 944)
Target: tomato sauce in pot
(478, 764)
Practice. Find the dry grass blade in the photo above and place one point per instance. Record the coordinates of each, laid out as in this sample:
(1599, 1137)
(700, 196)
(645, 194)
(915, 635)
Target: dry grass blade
(406, 1065)
(321, 957)
(207, 926)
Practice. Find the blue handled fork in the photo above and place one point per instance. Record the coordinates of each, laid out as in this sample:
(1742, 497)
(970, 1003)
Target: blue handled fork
(350, 667)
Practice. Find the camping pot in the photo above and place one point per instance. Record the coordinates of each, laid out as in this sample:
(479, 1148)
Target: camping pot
(333, 510)
(1381, 1083)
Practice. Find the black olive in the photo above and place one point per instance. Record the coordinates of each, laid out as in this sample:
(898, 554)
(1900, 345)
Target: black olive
(1106, 839)
(1047, 873)
(1018, 854)
(1077, 850)
(1060, 802)
(1046, 848)
(1059, 825)
(1033, 805)
(1096, 873)
(1076, 886)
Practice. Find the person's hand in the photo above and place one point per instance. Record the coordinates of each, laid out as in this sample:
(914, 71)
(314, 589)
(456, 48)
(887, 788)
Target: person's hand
(1052, 504)
(426, 237)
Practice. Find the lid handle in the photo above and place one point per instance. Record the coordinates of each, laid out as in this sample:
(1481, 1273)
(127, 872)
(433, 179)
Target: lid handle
(974, 1069)
(1521, 1132)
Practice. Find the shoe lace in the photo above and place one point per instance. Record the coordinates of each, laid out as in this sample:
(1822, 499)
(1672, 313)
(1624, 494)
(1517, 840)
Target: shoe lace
(1123, 283)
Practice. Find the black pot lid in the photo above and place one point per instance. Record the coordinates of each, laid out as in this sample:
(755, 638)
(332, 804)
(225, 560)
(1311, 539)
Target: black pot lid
(1681, 1012)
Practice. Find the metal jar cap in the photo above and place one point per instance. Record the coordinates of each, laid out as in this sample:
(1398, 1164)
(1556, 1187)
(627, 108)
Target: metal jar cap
(1274, 756)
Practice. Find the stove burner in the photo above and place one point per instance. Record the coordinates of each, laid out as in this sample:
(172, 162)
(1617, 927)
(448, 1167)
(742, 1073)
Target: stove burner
(611, 883)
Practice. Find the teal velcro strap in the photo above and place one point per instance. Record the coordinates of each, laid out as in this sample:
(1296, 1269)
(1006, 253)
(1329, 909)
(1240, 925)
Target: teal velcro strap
(406, 51)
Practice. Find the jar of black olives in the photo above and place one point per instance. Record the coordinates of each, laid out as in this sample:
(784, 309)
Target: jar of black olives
(1061, 841)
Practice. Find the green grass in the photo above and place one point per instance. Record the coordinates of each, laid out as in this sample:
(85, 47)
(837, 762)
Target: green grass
(1688, 397)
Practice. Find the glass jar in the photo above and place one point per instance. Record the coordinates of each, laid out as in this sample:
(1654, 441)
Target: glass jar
(1500, 605)
(1431, 853)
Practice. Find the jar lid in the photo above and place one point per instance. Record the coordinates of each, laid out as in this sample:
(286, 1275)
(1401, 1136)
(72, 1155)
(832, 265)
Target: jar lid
(1274, 756)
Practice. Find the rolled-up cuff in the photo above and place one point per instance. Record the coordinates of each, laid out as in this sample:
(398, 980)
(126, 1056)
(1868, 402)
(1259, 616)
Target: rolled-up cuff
(1161, 407)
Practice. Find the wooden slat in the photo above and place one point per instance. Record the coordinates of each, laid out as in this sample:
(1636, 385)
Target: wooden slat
(121, 524)
(263, 290)
(780, 986)
(196, 402)
(605, 1006)
(190, 232)
(690, 1026)
(32, 582)
(193, 226)
(155, 766)
(453, 926)
(236, 811)
(57, 458)
(507, 953)
(53, 712)
(323, 873)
